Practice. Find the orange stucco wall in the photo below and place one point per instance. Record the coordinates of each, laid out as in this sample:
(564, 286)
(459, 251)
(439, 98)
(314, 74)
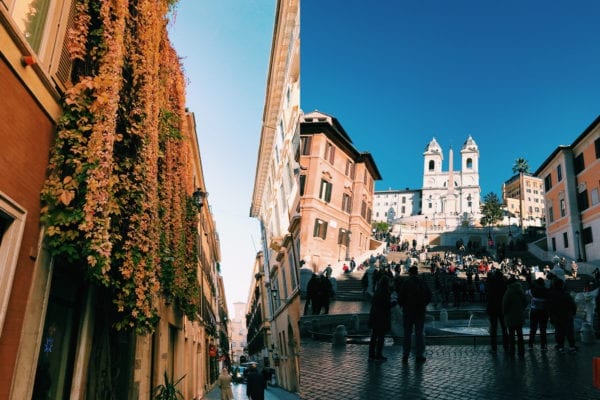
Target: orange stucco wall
(25, 136)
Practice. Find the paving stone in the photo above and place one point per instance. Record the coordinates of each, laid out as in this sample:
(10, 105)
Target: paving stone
(451, 372)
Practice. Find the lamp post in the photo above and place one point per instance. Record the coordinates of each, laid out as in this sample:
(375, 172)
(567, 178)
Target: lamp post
(578, 248)
(199, 196)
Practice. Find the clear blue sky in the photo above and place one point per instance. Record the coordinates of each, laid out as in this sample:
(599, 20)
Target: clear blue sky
(225, 47)
(520, 77)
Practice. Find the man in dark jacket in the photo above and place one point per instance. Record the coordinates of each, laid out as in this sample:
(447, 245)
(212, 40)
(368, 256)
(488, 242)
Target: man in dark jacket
(496, 287)
(255, 384)
(312, 288)
(380, 318)
(413, 296)
(562, 309)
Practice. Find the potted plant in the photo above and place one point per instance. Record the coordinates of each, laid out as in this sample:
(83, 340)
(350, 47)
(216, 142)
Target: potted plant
(168, 390)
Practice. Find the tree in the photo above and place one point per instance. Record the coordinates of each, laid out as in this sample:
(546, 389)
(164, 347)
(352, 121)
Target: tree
(521, 167)
(491, 210)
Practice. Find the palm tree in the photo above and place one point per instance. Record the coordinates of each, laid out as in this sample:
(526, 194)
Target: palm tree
(521, 166)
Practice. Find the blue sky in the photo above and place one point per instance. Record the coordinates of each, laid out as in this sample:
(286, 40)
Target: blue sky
(225, 47)
(520, 77)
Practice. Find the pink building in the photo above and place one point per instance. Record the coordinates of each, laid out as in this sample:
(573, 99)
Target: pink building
(336, 193)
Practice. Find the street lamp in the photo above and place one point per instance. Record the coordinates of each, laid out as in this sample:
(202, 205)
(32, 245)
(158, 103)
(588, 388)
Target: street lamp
(199, 196)
(578, 249)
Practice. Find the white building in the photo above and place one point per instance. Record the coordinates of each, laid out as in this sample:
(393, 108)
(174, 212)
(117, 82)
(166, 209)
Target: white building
(448, 198)
(390, 204)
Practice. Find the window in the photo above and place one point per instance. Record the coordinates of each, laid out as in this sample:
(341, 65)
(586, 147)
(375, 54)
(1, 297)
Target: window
(403, 209)
(550, 214)
(329, 152)
(553, 244)
(363, 210)
(559, 173)
(349, 169)
(469, 163)
(587, 235)
(12, 224)
(403, 200)
(344, 237)
(431, 165)
(548, 182)
(579, 163)
(325, 191)
(346, 203)
(563, 208)
(594, 196)
(305, 142)
(302, 184)
(582, 200)
(597, 145)
(565, 240)
(44, 24)
(320, 229)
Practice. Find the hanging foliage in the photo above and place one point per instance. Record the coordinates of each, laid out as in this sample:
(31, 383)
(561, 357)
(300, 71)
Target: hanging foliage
(117, 198)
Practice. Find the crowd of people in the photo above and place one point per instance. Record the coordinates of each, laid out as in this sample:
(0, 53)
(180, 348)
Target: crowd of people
(510, 290)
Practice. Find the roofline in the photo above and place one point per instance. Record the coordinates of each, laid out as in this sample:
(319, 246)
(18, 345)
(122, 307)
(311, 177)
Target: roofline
(565, 147)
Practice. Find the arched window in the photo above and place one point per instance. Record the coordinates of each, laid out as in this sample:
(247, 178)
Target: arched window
(431, 165)
(469, 163)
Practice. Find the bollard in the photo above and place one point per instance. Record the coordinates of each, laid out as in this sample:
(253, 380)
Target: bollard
(339, 336)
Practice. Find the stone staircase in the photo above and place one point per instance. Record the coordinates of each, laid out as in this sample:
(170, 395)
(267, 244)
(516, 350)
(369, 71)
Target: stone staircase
(349, 286)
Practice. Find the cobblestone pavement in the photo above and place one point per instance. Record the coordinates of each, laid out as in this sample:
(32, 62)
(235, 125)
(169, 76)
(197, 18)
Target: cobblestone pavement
(451, 372)
(239, 393)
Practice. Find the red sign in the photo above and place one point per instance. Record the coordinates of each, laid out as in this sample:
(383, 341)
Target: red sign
(212, 350)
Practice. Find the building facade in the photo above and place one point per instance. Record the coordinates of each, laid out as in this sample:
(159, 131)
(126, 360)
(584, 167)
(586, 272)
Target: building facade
(572, 203)
(451, 197)
(336, 190)
(238, 332)
(448, 198)
(275, 199)
(389, 205)
(523, 198)
(68, 329)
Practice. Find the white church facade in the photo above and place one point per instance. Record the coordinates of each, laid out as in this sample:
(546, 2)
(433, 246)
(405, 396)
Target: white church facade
(448, 197)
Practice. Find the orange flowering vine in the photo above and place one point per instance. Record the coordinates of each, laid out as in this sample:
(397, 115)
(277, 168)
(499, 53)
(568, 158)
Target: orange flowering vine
(117, 198)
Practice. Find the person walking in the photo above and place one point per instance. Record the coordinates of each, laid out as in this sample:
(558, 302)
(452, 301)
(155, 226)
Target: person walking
(413, 297)
(538, 313)
(380, 318)
(562, 309)
(224, 384)
(255, 383)
(496, 287)
(514, 303)
(325, 293)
